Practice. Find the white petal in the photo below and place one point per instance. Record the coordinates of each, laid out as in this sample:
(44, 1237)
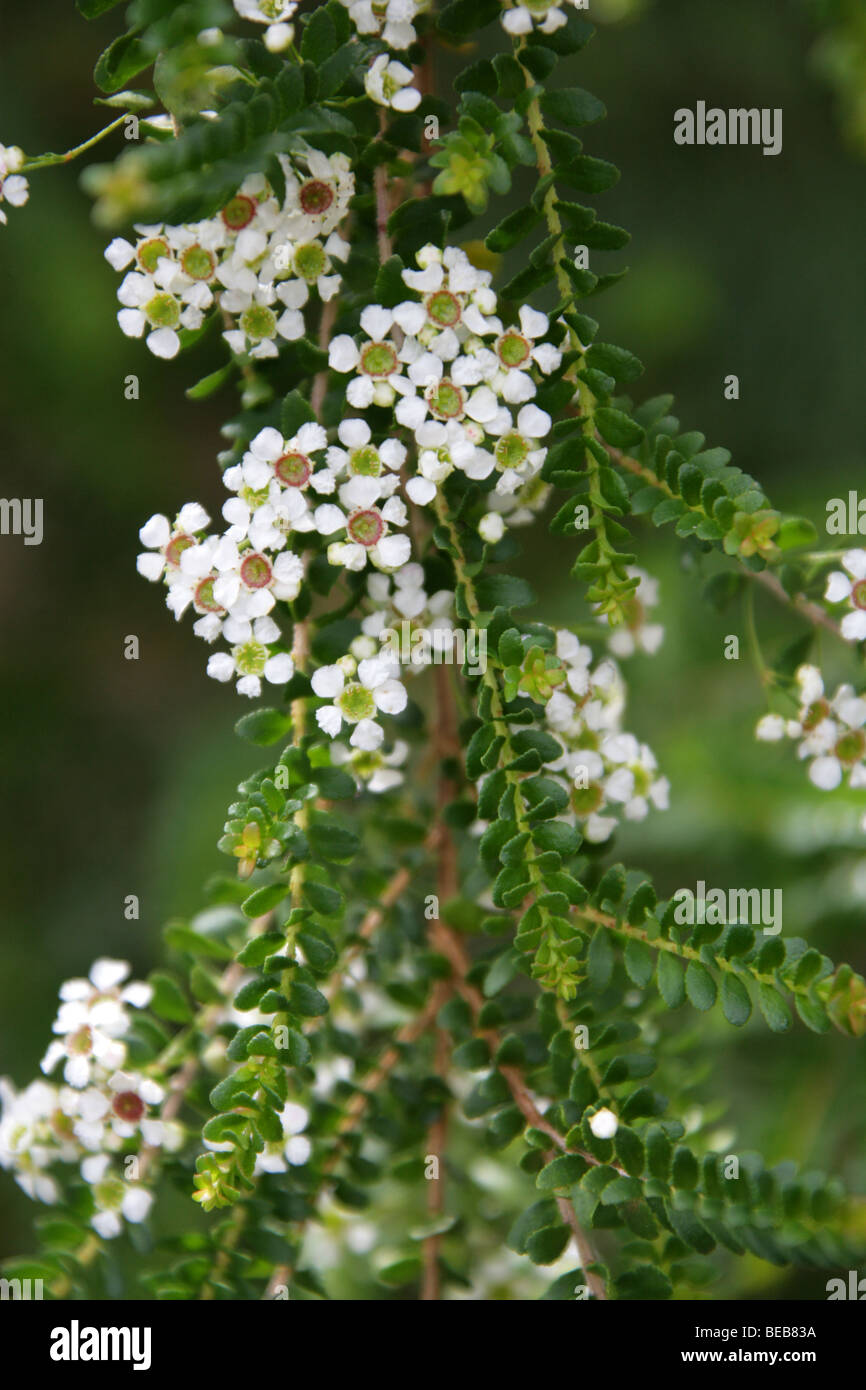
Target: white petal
(327, 682)
(164, 343)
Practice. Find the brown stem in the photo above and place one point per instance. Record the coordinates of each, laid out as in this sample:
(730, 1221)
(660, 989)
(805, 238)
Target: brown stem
(380, 185)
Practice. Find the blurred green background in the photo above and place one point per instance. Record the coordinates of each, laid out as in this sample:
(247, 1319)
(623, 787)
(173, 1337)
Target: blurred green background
(116, 773)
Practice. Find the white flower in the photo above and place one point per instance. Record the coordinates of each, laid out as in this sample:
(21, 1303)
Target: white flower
(274, 13)
(356, 702)
(604, 1124)
(491, 527)
(91, 1020)
(166, 543)
(32, 1137)
(372, 769)
(113, 1197)
(390, 18)
(251, 658)
(520, 19)
(770, 728)
(265, 11)
(250, 582)
(14, 188)
(387, 82)
(840, 587)
(831, 733)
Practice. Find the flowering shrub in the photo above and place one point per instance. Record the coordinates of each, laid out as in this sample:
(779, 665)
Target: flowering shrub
(425, 951)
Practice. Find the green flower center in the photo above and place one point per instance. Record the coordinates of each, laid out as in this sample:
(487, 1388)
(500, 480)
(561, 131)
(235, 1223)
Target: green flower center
(109, 1194)
(250, 658)
(585, 800)
(446, 400)
(513, 349)
(258, 322)
(851, 746)
(175, 548)
(256, 571)
(198, 263)
(365, 461)
(293, 469)
(310, 261)
(858, 594)
(642, 779)
(315, 197)
(443, 308)
(62, 1126)
(253, 498)
(356, 703)
(149, 252)
(163, 311)
(204, 600)
(366, 763)
(365, 527)
(378, 359)
(511, 450)
(814, 714)
(80, 1043)
(238, 212)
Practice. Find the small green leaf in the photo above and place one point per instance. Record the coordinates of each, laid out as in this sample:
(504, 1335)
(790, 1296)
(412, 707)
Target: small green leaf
(168, 999)
(617, 428)
(563, 1171)
(264, 900)
(774, 1009)
(263, 726)
(573, 106)
(601, 959)
(700, 986)
(736, 1004)
(671, 981)
(295, 412)
(122, 60)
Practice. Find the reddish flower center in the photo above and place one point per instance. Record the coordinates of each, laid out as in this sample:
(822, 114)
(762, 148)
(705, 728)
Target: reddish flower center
(293, 469)
(858, 594)
(204, 600)
(315, 197)
(256, 571)
(128, 1107)
(365, 527)
(175, 548)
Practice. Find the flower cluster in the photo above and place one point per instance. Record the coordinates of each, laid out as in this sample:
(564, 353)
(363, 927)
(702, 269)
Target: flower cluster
(276, 14)
(258, 260)
(831, 732)
(457, 379)
(101, 1115)
(14, 188)
(388, 82)
(390, 20)
(850, 585)
(610, 772)
(522, 16)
